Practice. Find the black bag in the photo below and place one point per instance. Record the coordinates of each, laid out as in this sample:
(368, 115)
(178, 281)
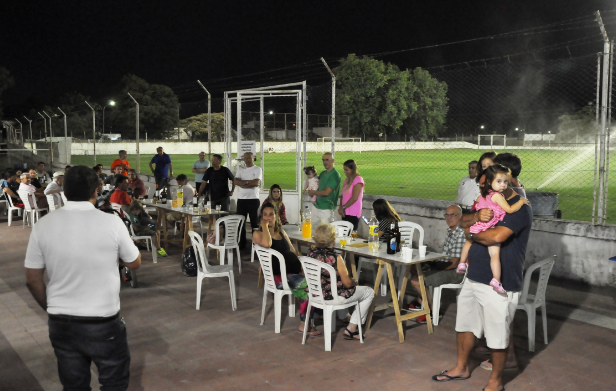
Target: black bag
(189, 262)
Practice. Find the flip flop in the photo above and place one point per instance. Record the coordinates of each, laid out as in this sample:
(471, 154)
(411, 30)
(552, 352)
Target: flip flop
(351, 336)
(447, 377)
(489, 367)
(502, 389)
(314, 333)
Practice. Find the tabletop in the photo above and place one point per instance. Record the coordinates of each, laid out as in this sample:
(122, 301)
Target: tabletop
(188, 210)
(295, 234)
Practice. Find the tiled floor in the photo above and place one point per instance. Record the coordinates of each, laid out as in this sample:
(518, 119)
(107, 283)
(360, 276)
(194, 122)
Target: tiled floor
(175, 347)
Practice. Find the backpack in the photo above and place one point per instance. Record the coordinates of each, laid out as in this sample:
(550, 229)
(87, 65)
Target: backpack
(189, 262)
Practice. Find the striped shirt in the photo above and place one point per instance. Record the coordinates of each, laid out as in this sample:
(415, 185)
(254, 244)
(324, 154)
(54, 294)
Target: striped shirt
(453, 243)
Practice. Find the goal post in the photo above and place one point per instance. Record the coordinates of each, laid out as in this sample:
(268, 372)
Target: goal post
(344, 144)
(492, 140)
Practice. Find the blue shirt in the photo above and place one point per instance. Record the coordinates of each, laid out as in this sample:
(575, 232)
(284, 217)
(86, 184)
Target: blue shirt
(512, 253)
(200, 164)
(162, 165)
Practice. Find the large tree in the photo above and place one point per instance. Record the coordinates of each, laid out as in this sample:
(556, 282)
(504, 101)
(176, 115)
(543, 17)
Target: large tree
(382, 99)
(196, 127)
(158, 109)
(6, 81)
(430, 100)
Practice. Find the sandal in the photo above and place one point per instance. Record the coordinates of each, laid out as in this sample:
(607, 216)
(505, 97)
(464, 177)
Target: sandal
(447, 377)
(351, 335)
(312, 332)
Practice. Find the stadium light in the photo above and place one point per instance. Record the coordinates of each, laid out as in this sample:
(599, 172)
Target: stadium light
(271, 112)
(516, 129)
(111, 103)
(482, 126)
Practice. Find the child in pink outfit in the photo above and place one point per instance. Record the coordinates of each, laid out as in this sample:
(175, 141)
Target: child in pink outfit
(497, 180)
(312, 183)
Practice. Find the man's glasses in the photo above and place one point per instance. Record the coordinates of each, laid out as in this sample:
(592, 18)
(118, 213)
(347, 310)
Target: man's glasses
(451, 215)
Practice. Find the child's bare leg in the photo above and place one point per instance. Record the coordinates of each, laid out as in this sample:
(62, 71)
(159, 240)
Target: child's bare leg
(465, 250)
(495, 261)
(156, 240)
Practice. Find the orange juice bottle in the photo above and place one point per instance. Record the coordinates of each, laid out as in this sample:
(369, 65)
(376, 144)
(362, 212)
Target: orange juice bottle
(307, 224)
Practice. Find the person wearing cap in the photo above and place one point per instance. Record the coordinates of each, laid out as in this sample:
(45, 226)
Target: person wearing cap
(248, 180)
(56, 185)
(81, 293)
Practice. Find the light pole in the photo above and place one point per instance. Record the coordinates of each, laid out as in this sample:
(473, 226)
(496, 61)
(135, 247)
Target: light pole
(65, 137)
(111, 103)
(30, 121)
(136, 131)
(93, 129)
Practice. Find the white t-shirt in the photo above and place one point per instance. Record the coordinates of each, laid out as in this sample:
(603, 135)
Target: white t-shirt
(80, 246)
(248, 174)
(468, 191)
(52, 186)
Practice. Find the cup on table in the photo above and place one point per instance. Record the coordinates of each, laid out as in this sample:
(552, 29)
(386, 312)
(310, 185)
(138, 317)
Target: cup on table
(343, 240)
(174, 203)
(218, 208)
(407, 254)
(353, 235)
(422, 251)
(207, 208)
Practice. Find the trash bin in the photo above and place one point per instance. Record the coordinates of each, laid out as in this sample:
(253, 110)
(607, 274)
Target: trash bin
(543, 204)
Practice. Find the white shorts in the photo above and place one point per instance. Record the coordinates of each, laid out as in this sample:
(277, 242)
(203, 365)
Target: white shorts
(481, 310)
(320, 216)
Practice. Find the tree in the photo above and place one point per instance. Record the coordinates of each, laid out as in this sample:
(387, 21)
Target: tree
(374, 94)
(196, 126)
(6, 81)
(430, 99)
(578, 125)
(158, 109)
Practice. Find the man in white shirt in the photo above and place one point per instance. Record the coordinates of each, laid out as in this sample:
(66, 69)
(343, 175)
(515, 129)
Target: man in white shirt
(189, 192)
(82, 298)
(56, 185)
(248, 180)
(468, 191)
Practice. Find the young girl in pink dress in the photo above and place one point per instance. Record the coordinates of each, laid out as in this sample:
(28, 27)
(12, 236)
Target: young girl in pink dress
(497, 180)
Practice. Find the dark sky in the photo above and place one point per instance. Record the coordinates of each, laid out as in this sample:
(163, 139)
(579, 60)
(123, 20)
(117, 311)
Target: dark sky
(53, 47)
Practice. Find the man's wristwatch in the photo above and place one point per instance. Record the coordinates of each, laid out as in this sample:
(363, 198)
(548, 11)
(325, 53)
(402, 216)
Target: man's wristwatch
(470, 236)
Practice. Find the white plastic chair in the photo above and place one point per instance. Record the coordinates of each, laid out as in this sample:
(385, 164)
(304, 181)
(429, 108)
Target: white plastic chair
(233, 225)
(3, 201)
(530, 303)
(51, 200)
(343, 228)
(435, 292)
(149, 242)
(11, 208)
(312, 270)
(205, 270)
(265, 258)
(31, 211)
(64, 200)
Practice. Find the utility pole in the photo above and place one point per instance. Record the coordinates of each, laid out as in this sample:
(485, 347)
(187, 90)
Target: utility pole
(65, 138)
(333, 106)
(93, 129)
(209, 122)
(136, 131)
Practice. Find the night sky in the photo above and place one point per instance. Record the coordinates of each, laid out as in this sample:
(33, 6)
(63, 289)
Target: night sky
(55, 47)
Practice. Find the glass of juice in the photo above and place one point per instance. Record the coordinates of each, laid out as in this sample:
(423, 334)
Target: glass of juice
(343, 241)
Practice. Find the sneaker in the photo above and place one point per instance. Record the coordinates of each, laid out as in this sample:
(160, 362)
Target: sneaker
(415, 306)
(161, 252)
(422, 319)
(461, 268)
(497, 286)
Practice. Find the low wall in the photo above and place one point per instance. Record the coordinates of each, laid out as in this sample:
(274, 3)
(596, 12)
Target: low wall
(582, 249)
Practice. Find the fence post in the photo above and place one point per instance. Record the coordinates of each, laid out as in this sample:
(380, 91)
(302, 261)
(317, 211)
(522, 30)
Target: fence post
(93, 130)
(333, 107)
(30, 121)
(136, 132)
(21, 131)
(65, 137)
(209, 122)
(603, 130)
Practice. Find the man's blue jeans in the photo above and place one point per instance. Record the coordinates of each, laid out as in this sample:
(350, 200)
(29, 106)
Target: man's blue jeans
(77, 345)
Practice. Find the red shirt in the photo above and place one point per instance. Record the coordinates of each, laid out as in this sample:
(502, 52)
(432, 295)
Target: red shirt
(120, 197)
(139, 187)
(119, 162)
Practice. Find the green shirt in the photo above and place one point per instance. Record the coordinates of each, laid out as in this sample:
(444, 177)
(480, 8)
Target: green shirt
(329, 179)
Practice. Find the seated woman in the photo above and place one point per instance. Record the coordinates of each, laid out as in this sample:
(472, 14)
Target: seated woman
(385, 214)
(348, 290)
(275, 198)
(143, 225)
(271, 235)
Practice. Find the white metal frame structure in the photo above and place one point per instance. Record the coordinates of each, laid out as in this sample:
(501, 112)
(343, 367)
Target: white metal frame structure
(322, 148)
(237, 97)
(491, 136)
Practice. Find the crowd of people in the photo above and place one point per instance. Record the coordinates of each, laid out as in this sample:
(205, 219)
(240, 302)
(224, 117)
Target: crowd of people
(487, 232)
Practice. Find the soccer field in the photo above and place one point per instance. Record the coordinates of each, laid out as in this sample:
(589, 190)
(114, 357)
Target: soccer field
(433, 174)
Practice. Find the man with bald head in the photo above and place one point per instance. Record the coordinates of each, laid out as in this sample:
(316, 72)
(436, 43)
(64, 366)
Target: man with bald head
(248, 179)
(444, 271)
(327, 195)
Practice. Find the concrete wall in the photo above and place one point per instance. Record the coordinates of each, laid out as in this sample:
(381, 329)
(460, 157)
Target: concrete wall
(583, 250)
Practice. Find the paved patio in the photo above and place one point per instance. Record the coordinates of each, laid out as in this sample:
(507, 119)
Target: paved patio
(175, 347)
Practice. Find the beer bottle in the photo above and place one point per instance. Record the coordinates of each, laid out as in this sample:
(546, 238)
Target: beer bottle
(391, 240)
(398, 237)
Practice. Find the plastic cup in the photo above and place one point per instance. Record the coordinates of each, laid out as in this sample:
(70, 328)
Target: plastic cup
(422, 251)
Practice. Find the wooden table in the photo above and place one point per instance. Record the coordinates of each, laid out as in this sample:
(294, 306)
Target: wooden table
(383, 260)
(186, 222)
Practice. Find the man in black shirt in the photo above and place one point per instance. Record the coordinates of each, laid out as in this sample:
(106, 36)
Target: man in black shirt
(481, 310)
(216, 182)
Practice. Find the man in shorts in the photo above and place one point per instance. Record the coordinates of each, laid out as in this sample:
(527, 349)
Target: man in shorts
(481, 310)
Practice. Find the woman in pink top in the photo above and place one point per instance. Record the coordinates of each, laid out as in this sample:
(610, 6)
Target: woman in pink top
(352, 194)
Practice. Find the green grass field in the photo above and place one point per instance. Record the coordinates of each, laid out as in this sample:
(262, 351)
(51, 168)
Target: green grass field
(433, 174)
